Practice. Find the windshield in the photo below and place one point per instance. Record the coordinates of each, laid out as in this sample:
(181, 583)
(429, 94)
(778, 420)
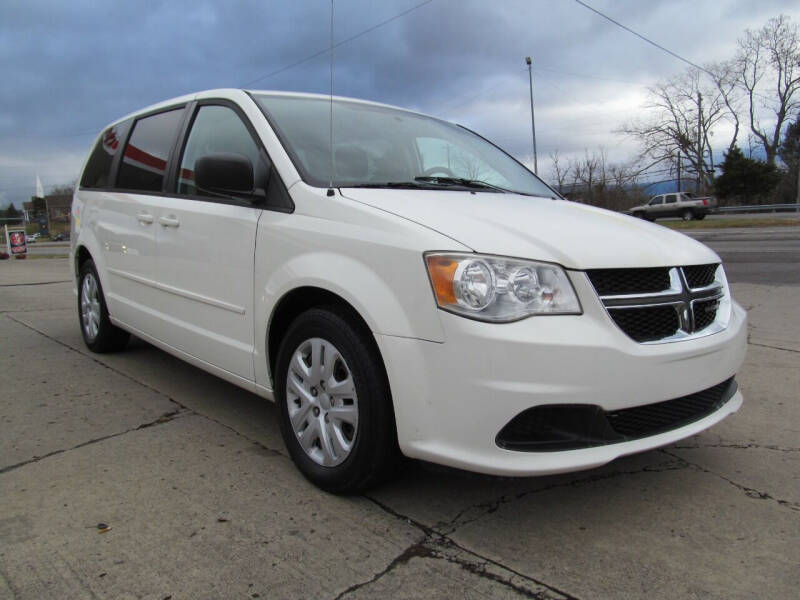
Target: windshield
(377, 146)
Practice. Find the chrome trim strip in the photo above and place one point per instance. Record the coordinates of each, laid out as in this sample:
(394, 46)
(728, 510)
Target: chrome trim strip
(673, 289)
(627, 306)
(706, 288)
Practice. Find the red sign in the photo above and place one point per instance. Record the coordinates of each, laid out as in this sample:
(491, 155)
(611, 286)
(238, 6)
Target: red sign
(17, 242)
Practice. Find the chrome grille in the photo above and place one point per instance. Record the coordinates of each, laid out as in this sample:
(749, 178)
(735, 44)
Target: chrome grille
(660, 304)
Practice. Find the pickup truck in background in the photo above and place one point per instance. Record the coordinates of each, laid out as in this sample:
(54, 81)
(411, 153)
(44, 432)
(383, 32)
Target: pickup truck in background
(679, 204)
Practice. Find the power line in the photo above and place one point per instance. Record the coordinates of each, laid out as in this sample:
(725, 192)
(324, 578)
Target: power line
(344, 41)
(648, 40)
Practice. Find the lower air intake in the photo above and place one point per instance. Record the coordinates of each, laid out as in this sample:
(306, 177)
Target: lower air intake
(573, 426)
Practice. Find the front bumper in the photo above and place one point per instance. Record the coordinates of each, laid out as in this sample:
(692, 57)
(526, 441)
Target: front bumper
(451, 399)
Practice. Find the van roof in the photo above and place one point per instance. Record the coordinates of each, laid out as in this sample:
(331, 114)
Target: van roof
(228, 92)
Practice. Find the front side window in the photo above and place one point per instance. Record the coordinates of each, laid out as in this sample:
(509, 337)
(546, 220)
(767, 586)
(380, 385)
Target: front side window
(97, 173)
(144, 163)
(216, 130)
(379, 146)
(656, 200)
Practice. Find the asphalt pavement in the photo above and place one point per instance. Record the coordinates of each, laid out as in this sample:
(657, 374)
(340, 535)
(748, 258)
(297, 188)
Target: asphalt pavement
(190, 479)
(758, 255)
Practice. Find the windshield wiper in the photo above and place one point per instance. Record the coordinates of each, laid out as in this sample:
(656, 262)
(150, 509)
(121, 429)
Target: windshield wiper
(464, 182)
(414, 185)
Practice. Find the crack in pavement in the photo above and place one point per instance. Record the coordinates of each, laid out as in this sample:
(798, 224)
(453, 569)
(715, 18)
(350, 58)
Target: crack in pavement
(774, 347)
(751, 492)
(38, 283)
(163, 418)
(437, 546)
(484, 508)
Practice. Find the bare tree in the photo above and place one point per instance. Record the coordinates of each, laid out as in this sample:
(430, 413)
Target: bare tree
(558, 171)
(588, 175)
(724, 76)
(768, 67)
(467, 166)
(684, 113)
(63, 189)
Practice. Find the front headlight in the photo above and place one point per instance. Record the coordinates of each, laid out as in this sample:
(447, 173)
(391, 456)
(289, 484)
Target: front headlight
(497, 289)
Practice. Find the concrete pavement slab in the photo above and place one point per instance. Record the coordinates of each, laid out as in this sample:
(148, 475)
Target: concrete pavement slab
(191, 387)
(675, 533)
(752, 467)
(16, 272)
(53, 398)
(38, 297)
(195, 510)
(774, 314)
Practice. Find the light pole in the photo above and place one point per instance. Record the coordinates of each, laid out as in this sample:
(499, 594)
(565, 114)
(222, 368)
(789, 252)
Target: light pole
(533, 120)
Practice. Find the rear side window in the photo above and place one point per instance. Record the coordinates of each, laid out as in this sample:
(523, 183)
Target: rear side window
(144, 163)
(671, 198)
(97, 173)
(217, 129)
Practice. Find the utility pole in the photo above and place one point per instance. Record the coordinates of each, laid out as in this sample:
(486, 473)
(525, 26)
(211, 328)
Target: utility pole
(679, 171)
(529, 62)
(798, 184)
(700, 189)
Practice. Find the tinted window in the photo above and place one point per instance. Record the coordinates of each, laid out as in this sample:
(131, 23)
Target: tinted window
(671, 198)
(656, 200)
(217, 129)
(97, 173)
(145, 160)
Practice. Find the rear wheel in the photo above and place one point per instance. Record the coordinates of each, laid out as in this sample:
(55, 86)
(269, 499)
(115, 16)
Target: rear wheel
(99, 334)
(335, 408)
(687, 215)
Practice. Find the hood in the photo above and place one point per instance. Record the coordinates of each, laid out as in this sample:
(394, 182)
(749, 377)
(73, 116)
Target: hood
(573, 235)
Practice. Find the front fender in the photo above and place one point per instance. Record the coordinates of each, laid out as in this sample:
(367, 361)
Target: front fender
(398, 302)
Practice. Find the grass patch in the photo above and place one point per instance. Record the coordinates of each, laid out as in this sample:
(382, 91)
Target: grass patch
(728, 223)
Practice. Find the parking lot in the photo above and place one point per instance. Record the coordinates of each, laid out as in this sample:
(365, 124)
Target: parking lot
(190, 477)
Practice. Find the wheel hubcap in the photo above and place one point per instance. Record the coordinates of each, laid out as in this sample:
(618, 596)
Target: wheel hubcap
(322, 402)
(90, 306)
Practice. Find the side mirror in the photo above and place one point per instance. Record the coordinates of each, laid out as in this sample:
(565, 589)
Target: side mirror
(224, 174)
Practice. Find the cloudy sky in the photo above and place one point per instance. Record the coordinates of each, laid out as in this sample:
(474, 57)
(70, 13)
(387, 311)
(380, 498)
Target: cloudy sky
(71, 67)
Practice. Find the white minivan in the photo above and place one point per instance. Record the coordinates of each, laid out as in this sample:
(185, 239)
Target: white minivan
(406, 288)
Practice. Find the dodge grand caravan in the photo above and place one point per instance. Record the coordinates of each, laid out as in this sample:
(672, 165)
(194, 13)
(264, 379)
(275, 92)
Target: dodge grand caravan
(408, 288)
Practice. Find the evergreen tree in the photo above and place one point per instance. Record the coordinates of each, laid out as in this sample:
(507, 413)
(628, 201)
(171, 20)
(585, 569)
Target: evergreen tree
(12, 212)
(744, 178)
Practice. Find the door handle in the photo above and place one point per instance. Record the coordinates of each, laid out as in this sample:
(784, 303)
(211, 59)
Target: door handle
(144, 218)
(170, 221)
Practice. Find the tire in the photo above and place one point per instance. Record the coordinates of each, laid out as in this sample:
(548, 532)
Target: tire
(325, 458)
(687, 215)
(99, 334)
(700, 217)
(638, 215)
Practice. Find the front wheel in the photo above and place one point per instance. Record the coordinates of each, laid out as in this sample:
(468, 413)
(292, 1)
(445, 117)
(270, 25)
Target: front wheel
(99, 334)
(335, 408)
